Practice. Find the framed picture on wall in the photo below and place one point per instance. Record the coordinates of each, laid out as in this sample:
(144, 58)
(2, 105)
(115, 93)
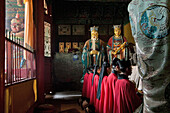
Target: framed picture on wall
(103, 30)
(61, 47)
(68, 45)
(64, 29)
(78, 29)
(75, 44)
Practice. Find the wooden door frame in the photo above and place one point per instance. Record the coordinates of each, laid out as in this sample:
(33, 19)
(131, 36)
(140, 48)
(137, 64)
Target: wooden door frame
(2, 54)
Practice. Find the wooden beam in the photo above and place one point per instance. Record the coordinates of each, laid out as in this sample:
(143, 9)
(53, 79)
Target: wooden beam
(39, 18)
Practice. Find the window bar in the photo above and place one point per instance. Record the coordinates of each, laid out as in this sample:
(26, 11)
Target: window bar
(10, 62)
(19, 61)
(15, 58)
(32, 66)
(26, 63)
(12, 74)
(22, 51)
(13, 53)
(6, 61)
(8, 34)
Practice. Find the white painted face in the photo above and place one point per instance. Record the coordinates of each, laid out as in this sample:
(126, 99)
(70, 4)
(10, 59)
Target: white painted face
(94, 35)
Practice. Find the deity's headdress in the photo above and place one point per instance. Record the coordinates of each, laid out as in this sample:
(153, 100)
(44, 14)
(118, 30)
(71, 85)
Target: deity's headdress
(16, 19)
(94, 28)
(116, 26)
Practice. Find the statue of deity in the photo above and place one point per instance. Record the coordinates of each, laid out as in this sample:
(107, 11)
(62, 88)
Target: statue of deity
(17, 34)
(116, 45)
(93, 50)
(17, 29)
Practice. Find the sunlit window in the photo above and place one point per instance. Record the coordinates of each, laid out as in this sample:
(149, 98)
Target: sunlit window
(19, 52)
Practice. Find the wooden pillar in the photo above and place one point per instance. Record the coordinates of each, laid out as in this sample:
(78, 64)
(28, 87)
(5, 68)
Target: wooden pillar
(2, 53)
(39, 21)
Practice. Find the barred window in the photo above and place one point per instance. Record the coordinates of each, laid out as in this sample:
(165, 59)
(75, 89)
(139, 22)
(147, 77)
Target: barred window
(19, 53)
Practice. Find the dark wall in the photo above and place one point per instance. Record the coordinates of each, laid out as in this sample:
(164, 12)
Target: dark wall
(67, 72)
(88, 14)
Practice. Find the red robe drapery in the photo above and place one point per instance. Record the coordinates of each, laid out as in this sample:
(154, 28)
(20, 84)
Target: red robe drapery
(109, 97)
(84, 89)
(103, 94)
(125, 99)
(100, 103)
(94, 90)
(89, 85)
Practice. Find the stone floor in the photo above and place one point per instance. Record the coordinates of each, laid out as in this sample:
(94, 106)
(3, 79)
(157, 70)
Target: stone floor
(65, 102)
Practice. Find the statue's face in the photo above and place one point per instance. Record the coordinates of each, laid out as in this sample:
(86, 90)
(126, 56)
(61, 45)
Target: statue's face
(117, 31)
(15, 26)
(94, 34)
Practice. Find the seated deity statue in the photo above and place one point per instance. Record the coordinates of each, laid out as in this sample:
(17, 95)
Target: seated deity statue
(17, 29)
(116, 46)
(93, 50)
(17, 35)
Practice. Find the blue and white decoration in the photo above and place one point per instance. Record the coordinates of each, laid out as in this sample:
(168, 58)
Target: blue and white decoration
(154, 22)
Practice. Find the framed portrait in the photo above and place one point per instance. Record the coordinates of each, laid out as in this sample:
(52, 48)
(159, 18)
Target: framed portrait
(78, 29)
(103, 30)
(68, 45)
(64, 29)
(75, 44)
(61, 47)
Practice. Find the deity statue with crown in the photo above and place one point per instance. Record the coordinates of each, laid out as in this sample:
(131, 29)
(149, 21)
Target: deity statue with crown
(116, 46)
(17, 29)
(93, 50)
(17, 35)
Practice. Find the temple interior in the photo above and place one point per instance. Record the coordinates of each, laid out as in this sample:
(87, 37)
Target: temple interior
(84, 56)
